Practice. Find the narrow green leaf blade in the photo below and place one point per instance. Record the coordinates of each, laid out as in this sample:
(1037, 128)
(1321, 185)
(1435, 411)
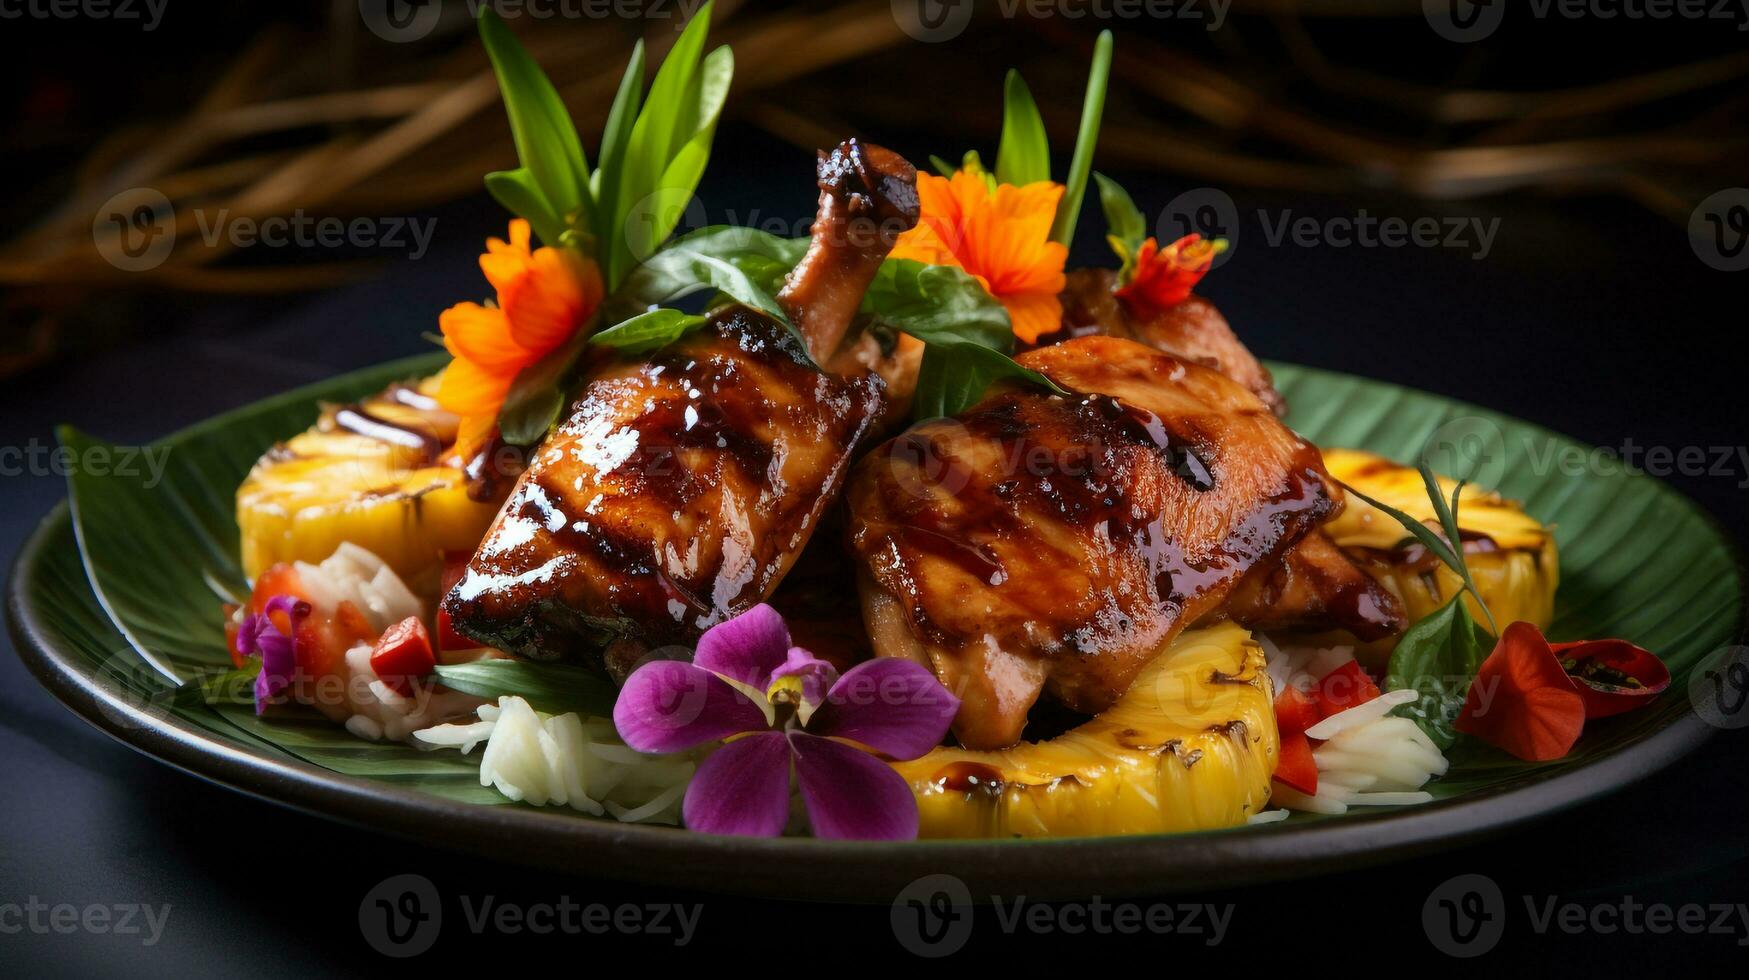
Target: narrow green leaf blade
(1086, 140)
(955, 375)
(648, 331)
(1024, 155)
(546, 139)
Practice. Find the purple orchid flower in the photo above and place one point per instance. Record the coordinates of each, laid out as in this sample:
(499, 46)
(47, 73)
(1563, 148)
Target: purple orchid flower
(258, 635)
(780, 707)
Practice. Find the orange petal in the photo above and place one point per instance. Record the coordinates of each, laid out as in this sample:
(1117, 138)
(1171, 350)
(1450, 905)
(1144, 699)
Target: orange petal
(1033, 314)
(482, 334)
(548, 305)
(468, 389)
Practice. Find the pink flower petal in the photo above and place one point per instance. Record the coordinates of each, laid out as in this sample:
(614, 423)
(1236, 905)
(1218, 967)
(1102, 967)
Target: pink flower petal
(890, 705)
(851, 795)
(742, 788)
(669, 706)
(747, 648)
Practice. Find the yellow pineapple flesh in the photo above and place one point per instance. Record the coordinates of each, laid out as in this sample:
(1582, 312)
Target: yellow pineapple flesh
(405, 503)
(1510, 554)
(1190, 746)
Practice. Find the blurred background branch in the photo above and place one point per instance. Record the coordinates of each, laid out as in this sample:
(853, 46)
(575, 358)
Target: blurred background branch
(318, 114)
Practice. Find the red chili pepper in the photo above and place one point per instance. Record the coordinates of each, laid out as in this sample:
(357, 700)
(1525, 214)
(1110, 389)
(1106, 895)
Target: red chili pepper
(455, 564)
(1346, 687)
(1522, 701)
(1612, 676)
(403, 655)
(1296, 768)
(1294, 711)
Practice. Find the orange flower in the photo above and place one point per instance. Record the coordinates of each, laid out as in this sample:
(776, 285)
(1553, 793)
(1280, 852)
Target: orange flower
(543, 297)
(1000, 237)
(1164, 277)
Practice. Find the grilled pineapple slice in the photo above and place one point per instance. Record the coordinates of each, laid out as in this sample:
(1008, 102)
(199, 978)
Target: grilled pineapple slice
(372, 474)
(1190, 746)
(1511, 556)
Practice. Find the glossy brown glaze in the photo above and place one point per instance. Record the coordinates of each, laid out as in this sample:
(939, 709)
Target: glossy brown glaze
(676, 494)
(1315, 587)
(1193, 330)
(1043, 543)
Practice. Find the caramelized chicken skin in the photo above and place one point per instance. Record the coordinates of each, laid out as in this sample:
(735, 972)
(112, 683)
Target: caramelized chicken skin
(1043, 543)
(1315, 586)
(1193, 330)
(676, 494)
(682, 485)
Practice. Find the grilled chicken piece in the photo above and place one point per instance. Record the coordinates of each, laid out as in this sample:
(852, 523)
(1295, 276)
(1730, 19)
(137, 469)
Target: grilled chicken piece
(1193, 330)
(682, 485)
(1042, 543)
(1316, 587)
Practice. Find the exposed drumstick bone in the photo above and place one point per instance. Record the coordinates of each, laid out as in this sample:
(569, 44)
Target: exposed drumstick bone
(868, 198)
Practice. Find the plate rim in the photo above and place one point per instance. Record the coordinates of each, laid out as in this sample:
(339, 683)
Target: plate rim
(862, 871)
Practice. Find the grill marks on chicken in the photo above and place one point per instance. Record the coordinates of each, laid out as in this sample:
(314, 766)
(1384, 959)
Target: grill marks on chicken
(1316, 587)
(683, 485)
(676, 494)
(1041, 543)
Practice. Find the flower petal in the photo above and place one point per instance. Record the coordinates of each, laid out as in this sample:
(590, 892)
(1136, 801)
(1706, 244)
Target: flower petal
(742, 788)
(746, 649)
(851, 795)
(669, 705)
(1521, 701)
(1033, 314)
(468, 389)
(889, 704)
(482, 334)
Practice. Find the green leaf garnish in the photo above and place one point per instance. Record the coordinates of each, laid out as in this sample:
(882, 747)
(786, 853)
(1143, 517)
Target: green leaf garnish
(1437, 658)
(648, 331)
(745, 264)
(955, 375)
(937, 304)
(538, 394)
(1081, 164)
(1448, 549)
(552, 688)
(546, 140)
(1024, 154)
(1125, 227)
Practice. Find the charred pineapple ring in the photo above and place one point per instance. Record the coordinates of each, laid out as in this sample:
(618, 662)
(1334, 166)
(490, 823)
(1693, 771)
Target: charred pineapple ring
(384, 489)
(1190, 746)
(1511, 556)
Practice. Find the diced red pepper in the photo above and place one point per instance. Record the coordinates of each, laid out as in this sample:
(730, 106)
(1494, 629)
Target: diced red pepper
(403, 655)
(455, 564)
(1612, 676)
(1346, 687)
(1295, 711)
(1522, 701)
(1296, 768)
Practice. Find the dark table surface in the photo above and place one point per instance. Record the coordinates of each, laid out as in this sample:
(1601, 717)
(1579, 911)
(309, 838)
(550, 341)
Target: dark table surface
(1588, 316)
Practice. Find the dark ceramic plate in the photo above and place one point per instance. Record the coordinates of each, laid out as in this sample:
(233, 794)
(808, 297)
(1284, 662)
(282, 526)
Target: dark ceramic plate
(1638, 561)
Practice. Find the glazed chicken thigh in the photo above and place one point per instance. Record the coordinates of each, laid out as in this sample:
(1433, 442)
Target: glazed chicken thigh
(682, 485)
(1051, 543)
